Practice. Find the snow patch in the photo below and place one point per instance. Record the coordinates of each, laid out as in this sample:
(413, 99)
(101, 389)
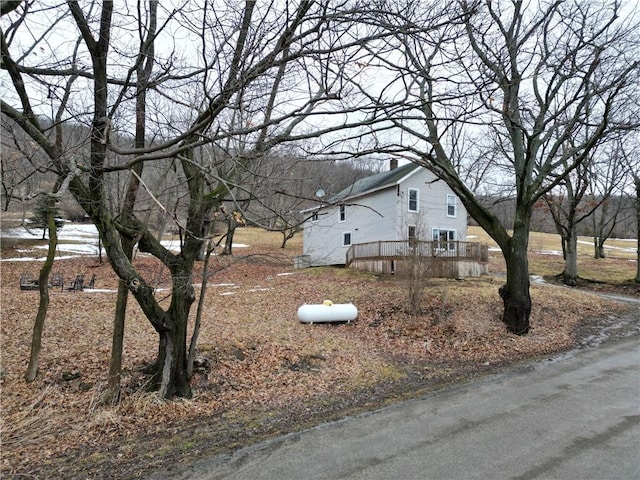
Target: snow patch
(38, 259)
(550, 252)
(81, 249)
(611, 247)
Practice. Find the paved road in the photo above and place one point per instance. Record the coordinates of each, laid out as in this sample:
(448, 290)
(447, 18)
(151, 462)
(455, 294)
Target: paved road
(577, 417)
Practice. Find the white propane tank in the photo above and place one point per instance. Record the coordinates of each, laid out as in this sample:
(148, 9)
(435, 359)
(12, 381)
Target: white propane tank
(327, 312)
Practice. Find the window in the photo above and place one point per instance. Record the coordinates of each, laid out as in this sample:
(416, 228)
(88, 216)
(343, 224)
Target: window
(413, 199)
(314, 216)
(412, 233)
(343, 213)
(446, 239)
(346, 239)
(451, 205)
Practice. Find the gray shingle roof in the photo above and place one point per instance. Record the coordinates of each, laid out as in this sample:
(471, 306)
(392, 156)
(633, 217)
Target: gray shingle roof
(375, 182)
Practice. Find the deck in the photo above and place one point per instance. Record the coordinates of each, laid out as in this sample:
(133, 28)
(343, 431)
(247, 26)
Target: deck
(452, 259)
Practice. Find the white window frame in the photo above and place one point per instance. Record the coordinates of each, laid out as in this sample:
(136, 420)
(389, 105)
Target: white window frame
(409, 191)
(452, 236)
(452, 201)
(344, 238)
(342, 212)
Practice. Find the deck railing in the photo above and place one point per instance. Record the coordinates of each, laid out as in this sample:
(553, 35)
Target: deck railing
(399, 249)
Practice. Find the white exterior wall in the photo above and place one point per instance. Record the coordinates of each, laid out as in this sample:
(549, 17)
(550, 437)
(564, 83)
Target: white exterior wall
(368, 219)
(382, 215)
(432, 208)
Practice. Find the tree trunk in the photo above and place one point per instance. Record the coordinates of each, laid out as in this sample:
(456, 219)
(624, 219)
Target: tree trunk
(43, 281)
(228, 243)
(174, 378)
(170, 375)
(117, 341)
(515, 293)
(287, 234)
(128, 243)
(196, 328)
(570, 273)
(636, 179)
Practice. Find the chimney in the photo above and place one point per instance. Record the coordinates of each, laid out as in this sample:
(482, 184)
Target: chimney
(393, 164)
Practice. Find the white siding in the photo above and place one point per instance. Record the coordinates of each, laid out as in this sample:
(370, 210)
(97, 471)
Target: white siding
(369, 219)
(432, 211)
(382, 215)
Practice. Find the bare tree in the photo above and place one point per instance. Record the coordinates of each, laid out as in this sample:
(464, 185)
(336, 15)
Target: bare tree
(417, 267)
(43, 304)
(143, 69)
(243, 51)
(630, 153)
(609, 181)
(526, 77)
(572, 201)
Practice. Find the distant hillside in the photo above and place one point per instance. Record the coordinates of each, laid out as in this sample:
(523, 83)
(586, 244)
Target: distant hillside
(626, 226)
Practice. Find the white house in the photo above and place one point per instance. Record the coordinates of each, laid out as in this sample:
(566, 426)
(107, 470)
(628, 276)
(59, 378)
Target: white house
(405, 203)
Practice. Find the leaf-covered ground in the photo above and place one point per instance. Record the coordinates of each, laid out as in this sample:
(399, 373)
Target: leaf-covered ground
(261, 372)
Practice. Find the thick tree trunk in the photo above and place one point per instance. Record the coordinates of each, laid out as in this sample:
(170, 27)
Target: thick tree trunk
(517, 300)
(570, 273)
(515, 293)
(174, 377)
(170, 373)
(598, 247)
(43, 280)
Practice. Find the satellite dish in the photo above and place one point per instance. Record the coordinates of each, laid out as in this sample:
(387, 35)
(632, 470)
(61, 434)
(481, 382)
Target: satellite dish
(320, 193)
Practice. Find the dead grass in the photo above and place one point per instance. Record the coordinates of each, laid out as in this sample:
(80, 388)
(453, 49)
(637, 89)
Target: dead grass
(261, 359)
(549, 242)
(618, 268)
